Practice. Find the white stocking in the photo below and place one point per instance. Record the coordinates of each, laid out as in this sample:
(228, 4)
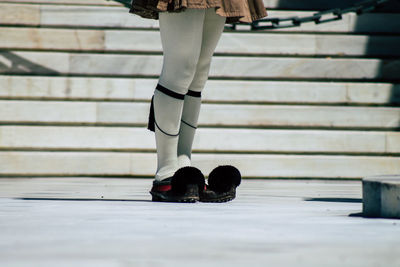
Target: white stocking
(212, 30)
(182, 37)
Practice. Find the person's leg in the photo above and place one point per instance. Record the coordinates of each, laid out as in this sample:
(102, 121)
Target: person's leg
(181, 35)
(212, 30)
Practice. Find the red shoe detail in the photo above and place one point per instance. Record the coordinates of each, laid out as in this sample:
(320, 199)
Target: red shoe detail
(162, 188)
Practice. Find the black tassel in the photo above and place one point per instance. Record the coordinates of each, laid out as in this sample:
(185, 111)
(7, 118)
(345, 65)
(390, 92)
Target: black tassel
(150, 125)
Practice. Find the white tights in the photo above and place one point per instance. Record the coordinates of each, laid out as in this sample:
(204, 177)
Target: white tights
(189, 39)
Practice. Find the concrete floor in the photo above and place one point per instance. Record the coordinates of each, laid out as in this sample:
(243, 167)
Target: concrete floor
(83, 222)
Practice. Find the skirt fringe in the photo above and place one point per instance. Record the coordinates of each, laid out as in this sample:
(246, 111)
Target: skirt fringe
(234, 10)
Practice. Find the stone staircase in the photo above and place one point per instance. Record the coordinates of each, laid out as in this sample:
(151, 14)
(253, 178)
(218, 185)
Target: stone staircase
(316, 101)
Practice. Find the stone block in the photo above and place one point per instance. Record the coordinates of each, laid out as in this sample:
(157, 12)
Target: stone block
(20, 14)
(54, 111)
(231, 43)
(93, 16)
(206, 139)
(34, 62)
(240, 115)
(221, 66)
(112, 88)
(51, 39)
(381, 196)
(63, 163)
(77, 88)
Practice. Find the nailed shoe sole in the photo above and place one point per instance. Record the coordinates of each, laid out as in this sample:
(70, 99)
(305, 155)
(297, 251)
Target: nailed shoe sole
(211, 196)
(190, 196)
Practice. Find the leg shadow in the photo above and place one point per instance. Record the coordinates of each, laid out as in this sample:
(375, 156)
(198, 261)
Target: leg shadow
(18, 64)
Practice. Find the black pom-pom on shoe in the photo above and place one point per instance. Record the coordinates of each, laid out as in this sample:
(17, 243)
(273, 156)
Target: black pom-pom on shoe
(223, 178)
(185, 185)
(187, 176)
(222, 183)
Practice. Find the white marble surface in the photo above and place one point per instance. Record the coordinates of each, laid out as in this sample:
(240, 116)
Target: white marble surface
(271, 223)
(69, 163)
(206, 139)
(32, 62)
(134, 89)
(231, 42)
(103, 16)
(239, 115)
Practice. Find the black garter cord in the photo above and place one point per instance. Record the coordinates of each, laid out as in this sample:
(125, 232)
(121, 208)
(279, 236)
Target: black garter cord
(152, 120)
(188, 124)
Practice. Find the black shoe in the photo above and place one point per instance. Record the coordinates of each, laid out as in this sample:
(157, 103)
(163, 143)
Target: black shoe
(185, 185)
(222, 183)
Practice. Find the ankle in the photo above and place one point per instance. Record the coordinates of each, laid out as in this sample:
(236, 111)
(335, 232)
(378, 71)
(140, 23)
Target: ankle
(184, 161)
(165, 172)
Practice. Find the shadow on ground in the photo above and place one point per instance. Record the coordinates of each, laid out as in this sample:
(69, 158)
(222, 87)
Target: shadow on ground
(335, 199)
(18, 64)
(81, 199)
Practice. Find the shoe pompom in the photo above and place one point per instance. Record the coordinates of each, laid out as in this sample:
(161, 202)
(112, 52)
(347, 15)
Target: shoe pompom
(223, 178)
(185, 176)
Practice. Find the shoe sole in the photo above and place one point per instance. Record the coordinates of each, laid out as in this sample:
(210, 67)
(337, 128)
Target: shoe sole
(191, 196)
(220, 200)
(225, 198)
(160, 198)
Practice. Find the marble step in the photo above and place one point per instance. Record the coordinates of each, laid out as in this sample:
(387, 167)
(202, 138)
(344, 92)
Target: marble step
(227, 115)
(230, 43)
(316, 5)
(119, 17)
(63, 63)
(24, 163)
(133, 89)
(206, 140)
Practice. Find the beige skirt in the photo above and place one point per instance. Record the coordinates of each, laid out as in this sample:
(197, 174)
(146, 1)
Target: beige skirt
(233, 10)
